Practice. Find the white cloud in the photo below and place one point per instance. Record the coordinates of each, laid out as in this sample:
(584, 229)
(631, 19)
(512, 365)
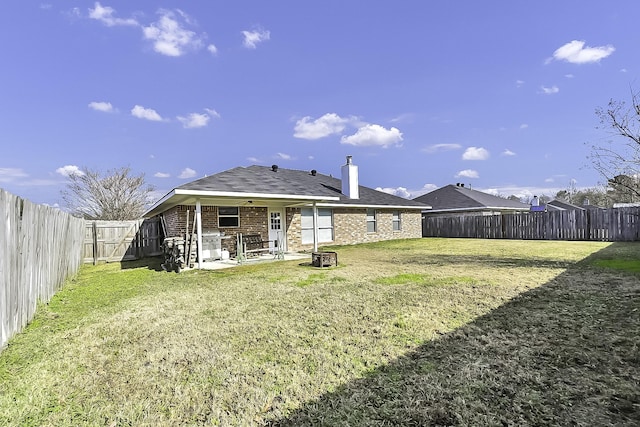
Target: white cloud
(403, 118)
(105, 107)
(524, 126)
(194, 120)
(212, 113)
(169, 35)
(105, 15)
(254, 160)
(283, 156)
(467, 173)
(374, 135)
(575, 52)
(623, 70)
(508, 152)
(329, 124)
(569, 76)
(252, 38)
(475, 153)
(213, 49)
(549, 90)
(519, 83)
(69, 170)
(161, 175)
(145, 113)
(427, 188)
(198, 120)
(441, 147)
(399, 191)
(187, 173)
(9, 174)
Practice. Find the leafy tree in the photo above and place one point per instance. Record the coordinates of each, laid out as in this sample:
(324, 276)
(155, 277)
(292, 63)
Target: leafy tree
(618, 160)
(116, 195)
(624, 188)
(597, 196)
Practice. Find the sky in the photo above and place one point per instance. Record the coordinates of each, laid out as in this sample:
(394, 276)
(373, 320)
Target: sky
(499, 95)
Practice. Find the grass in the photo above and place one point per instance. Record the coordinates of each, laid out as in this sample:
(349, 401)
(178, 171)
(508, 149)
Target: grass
(414, 332)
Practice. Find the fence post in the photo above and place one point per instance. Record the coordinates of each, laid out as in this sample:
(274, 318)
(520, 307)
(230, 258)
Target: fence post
(94, 230)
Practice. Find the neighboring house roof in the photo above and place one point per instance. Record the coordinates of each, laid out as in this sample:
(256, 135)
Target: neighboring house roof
(626, 205)
(552, 208)
(271, 185)
(564, 206)
(456, 198)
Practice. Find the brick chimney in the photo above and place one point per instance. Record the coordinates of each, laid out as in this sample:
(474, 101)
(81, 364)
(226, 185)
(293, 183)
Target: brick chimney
(350, 179)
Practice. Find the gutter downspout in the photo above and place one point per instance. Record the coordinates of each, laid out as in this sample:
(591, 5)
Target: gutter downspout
(199, 231)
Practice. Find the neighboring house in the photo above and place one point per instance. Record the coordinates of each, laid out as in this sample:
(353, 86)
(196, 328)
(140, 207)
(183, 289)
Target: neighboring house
(627, 205)
(456, 200)
(560, 205)
(301, 209)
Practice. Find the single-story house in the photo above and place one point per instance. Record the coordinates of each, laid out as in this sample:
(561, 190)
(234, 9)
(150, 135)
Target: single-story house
(560, 205)
(565, 206)
(299, 209)
(457, 200)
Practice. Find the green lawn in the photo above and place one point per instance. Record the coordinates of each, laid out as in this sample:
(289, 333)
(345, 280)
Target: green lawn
(413, 332)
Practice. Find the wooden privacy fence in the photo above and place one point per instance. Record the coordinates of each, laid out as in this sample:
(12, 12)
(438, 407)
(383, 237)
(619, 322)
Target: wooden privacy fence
(113, 241)
(40, 247)
(612, 225)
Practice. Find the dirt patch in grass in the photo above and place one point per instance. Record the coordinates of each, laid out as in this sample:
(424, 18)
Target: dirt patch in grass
(416, 332)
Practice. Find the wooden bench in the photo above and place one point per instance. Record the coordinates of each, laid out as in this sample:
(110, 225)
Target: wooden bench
(253, 244)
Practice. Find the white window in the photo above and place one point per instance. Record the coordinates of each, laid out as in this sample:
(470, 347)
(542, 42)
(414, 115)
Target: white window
(371, 220)
(397, 221)
(228, 216)
(325, 225)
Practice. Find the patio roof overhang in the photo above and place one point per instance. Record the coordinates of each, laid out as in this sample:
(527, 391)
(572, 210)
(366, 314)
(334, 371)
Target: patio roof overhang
(218, 198)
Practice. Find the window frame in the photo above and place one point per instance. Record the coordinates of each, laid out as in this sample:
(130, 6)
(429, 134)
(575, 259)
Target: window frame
(372, 219)
(236, 216)
(396, 220)
(305, 227)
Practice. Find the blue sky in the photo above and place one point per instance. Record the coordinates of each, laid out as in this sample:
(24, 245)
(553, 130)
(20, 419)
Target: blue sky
(499, 95)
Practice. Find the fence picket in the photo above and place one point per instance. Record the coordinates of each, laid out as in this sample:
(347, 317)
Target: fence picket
(39, 248)
(616, 224)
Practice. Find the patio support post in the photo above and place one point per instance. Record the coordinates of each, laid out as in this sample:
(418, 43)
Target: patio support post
(199, 231)
(315, 227)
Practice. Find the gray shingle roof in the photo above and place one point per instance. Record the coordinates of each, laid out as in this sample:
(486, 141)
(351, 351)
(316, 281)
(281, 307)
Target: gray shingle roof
(264, 181)
(564, 206)
(453, 197)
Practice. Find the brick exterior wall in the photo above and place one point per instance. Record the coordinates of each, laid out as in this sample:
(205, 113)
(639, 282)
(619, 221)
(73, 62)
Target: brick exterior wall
(350, 227)
(253, 220)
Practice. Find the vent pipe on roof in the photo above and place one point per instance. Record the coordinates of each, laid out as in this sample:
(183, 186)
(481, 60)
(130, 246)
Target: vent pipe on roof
(313, 172)
(350, 179)
(274, 168)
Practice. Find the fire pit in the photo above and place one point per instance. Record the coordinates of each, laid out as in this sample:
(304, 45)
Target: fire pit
(324, 259)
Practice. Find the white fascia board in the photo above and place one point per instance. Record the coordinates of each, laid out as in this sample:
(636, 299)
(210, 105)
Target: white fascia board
(351, 205)
(483, 208)
(166, 197)
(202, 193)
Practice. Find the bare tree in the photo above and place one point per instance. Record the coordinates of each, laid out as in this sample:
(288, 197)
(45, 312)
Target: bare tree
(618, 160)
(118, 195)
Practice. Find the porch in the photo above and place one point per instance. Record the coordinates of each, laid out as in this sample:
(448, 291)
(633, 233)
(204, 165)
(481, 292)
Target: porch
(256, 259)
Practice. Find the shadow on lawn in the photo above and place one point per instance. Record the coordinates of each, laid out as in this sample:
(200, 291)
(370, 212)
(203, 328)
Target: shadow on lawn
(566, 353)
(152, 263)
